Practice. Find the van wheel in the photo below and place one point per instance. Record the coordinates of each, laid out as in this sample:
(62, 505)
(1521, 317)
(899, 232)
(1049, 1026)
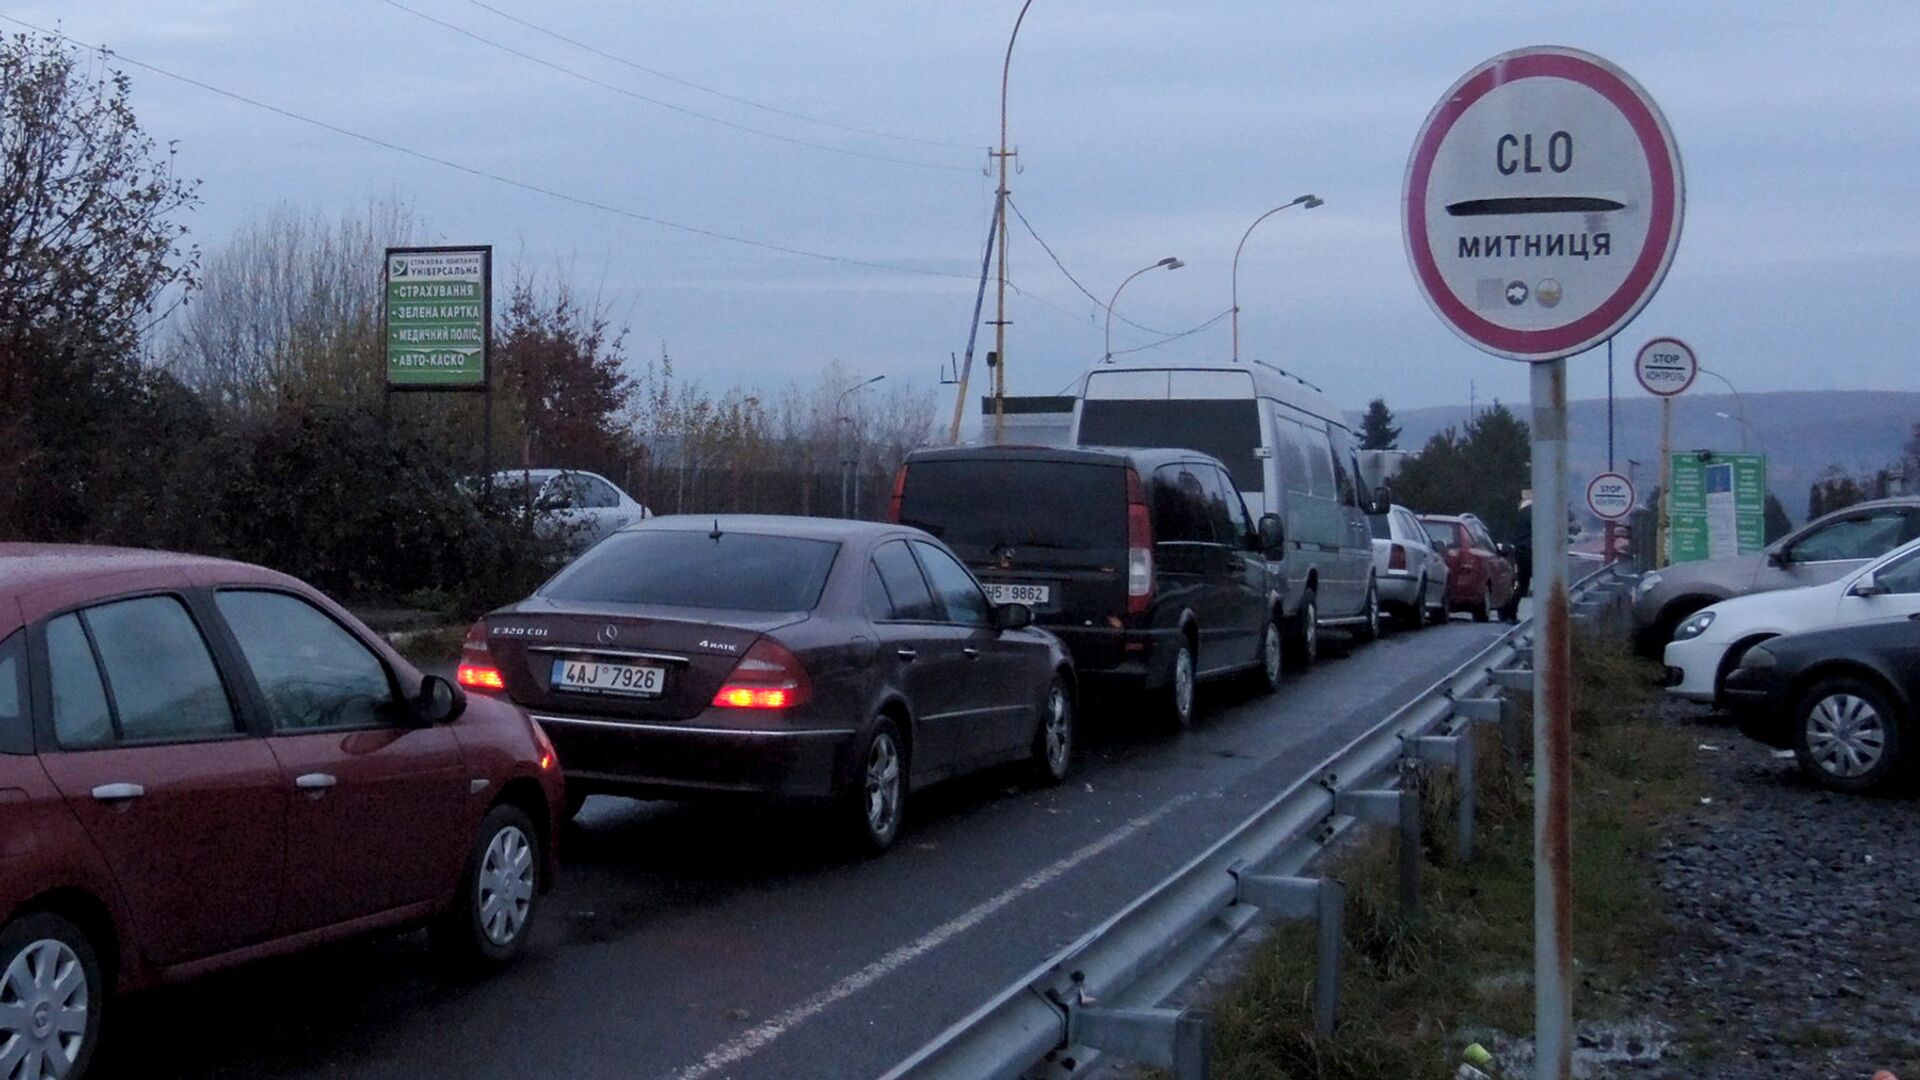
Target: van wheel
(1303, 641)
(51, 994)
(1176, 701)
(1370, 628)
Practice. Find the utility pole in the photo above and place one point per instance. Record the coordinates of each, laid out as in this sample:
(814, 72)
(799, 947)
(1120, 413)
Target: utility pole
(1000, 214)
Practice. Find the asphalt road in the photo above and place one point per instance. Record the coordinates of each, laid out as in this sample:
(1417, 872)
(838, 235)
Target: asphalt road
(690, 942)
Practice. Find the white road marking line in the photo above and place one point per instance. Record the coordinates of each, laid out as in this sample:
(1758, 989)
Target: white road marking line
(756, 1038)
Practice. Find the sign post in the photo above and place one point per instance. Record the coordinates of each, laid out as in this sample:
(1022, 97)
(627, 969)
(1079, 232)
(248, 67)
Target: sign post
(1610, 496)
(1666, 367)
(1541, 209)
(439, 327)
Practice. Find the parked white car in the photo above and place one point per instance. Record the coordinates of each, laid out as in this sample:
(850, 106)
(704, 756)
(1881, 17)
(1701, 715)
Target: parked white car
(1710, 644)
(581, 505)
(1411, 572)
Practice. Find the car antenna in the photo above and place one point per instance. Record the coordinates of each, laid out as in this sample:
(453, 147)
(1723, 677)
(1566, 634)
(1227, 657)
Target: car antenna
(715, 534)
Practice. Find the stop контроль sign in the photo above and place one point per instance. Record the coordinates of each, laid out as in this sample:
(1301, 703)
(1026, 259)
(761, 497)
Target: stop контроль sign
(1542, 203)
(1610, 496)
(1666, 367)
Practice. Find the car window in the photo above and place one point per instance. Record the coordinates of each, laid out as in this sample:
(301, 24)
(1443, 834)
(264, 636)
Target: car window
(1481, 538)
(155, 680)
(966, 604)
(874, 595)
(1224, 512)
(912, 600)
(1901, 577)
(1382, 526)
(15, 735)
(593, 492)
(734, 571)
(559, 494)
(1179, 507)
(1319, 463)
(1225, 428)
(1442, 534)
(1345, 482)
(313, 674)
(1054, 505)
(1862, 536)
(1290, 453)
(1238, 520)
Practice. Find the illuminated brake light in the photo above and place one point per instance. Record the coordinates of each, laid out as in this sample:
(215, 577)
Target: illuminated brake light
(1139, 547)
(768, 677)
(477, 670)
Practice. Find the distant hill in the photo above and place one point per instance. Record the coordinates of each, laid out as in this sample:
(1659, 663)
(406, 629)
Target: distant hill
(1802, 432)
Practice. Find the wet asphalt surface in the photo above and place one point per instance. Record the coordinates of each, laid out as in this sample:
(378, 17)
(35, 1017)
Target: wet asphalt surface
(694, 941)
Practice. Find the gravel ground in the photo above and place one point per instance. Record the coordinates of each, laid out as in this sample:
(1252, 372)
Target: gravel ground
(1797, 947)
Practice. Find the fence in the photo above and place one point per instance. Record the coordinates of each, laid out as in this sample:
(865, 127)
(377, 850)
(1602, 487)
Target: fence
(1101, 994)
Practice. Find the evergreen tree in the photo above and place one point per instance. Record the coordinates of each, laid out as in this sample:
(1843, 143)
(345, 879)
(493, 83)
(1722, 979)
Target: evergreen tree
(1376, 427)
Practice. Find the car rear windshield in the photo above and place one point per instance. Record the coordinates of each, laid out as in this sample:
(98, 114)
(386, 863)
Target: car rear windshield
(976, 506)
(734, 571)
(1228, 429)
(1441, 533)
(1381, 525)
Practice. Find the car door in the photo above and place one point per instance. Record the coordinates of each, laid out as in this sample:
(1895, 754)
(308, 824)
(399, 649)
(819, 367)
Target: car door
(1830, 551)
(1002, 686)
(143, 735)
(376, 821)
(1242, 571)
(934, 671)
(599, 506)
(1500, 570)
(1184, 556)
(1356, 540)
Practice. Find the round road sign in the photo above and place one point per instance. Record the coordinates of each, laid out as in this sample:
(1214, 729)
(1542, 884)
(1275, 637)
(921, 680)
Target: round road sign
(1666, 367)
(1610, 496)
(1542, 203)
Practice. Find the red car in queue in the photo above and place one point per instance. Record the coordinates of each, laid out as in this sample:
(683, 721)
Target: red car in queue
(204, 762)
(1482, 579)
(841, 662)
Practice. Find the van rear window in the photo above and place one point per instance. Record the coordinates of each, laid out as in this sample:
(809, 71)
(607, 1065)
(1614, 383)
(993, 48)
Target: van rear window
(976, 506)
(1228, 429)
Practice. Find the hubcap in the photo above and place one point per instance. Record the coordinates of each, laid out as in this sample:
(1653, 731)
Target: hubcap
(506, 885)
(1312, 636)
(1270, 653)
(883, 784)
(1059, 729)
(1183, 682)
(1373, 612)
(1845, 735)
(43, 1012)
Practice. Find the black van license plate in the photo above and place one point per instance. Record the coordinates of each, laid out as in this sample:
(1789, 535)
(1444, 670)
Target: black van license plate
(1001, 592)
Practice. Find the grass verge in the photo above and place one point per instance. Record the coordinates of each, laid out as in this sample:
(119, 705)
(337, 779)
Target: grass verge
(1410, 988)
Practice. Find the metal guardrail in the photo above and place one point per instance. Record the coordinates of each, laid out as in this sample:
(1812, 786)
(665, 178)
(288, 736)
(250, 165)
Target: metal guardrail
(1101, 994)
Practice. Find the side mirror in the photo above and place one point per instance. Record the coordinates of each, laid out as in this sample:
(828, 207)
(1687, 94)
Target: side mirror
(439, 701)
(1273, 536)
(1777, 558)
(1012, 616)
(1865, 585)
(1503, 549)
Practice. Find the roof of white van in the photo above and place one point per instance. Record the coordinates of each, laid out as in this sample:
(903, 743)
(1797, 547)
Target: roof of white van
(1269, 381)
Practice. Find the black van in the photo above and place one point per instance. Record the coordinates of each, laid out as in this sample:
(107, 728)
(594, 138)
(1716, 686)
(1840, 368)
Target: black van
(1144, 562)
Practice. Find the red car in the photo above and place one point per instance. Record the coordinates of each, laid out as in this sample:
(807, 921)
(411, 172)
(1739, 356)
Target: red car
(204, 762)
(1481, 578)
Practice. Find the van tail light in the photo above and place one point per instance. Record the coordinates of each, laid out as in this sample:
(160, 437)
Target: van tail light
(477, 669)
(1397, 559)
(768, 677)
(1139, 547)
(899, 493)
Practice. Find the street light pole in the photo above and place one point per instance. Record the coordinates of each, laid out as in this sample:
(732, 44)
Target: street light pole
(1308, 201)
(1169, 263)
(1000, 216)
(1739, 401)
(840, 416)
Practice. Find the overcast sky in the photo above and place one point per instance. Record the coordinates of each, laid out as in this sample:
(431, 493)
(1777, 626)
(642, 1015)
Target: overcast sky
(1144, 129)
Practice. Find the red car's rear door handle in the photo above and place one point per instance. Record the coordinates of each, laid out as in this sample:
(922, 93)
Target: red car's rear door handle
(118, 792)
(315, 782)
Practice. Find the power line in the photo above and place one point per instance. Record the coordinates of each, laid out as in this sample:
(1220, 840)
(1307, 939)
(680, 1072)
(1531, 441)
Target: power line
(637, 96)
(470, 170)
(1069, 274)
(1175, 337)
(722, 94)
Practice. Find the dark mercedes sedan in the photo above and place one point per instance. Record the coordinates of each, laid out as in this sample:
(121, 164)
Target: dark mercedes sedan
(1842, 700)
(838, 661)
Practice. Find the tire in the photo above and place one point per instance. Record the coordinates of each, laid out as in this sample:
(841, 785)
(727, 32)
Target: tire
(1272, 667)
(60, 1023)
(1053, 736)
(1849, 735)
(1417, 614)
(1303, 643)
(492, 914)
(1484, 611)
(1176, 701)
(1370, 629)
(878, 801)
(575, 800)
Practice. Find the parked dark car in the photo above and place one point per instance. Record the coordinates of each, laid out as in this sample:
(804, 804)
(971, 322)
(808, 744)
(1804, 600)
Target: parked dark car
(203, 763)
(1842, 700)
(1144, 562)
(1482, 578)
(839, 661)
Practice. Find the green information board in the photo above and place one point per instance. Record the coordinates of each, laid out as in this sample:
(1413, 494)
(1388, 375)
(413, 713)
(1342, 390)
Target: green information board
(1717, 505)
(439, 317)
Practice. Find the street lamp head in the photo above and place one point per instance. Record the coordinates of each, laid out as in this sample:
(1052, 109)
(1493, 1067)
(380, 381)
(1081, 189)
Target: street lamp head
(1170, 263)
(873, 380)
(1723, 416)
(1309, 201)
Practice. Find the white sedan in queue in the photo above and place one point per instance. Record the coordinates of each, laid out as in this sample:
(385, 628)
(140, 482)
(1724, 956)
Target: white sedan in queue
(1710, 644)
